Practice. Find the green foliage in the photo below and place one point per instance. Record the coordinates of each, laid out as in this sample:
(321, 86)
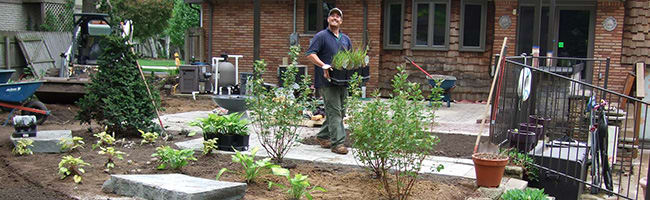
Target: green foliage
(112, 154)
(252, 168)
(275, 111)
(71, 143)
(103, 139)
(150, 17)
(209, 146)
(223, 124)
(528, 194)
(148, 137)
(298, 185)
(525, 161)
(341, 60)
(173, 158)
(183, 17)
(23, 147)
(390, 136)
(71, 166)
(117, 97)
(350, 59)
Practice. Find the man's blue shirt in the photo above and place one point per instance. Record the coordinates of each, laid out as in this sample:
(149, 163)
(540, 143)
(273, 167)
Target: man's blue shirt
(325, 45)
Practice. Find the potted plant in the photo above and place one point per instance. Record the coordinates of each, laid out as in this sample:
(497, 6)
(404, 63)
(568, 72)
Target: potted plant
(230, 130)
(489, 168)
(346, 63)
(538, 129)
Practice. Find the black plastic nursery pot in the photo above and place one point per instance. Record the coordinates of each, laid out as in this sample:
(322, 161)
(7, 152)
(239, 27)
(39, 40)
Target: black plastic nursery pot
(343, 77)
(523, 140)
(226, 142)
(538, 129)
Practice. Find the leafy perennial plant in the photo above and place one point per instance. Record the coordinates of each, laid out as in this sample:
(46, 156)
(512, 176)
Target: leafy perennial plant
(298, 185)
(173, 158)
(23, 147)
(252, 168)
(112, 154)
(71, 143)
(71, 166)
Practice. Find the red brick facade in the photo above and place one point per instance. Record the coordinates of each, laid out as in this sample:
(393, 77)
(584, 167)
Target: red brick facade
(233, 33)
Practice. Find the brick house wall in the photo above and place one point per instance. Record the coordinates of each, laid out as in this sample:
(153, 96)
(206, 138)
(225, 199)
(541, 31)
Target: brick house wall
(470, 68)
(609, 44)
(636, 33)
(13, 16)
(233, 32)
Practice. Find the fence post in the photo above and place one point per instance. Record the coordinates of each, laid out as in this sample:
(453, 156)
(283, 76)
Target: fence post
(7, 53)
(606, 72)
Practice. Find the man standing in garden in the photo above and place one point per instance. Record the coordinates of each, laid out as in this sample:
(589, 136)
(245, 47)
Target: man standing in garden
(322, 49)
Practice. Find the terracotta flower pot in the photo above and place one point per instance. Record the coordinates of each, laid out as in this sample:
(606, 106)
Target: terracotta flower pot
(489, 169)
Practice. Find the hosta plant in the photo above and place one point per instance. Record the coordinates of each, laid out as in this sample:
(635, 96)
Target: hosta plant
(252, 168)
(71, 143)
(209, 146)
(525, 161)
(71, 166)
(173, 158)
(112, 154)
(103, 139)
(148, 137)
(527, 194)
(390, 136)
(275, 112)
(298, 187)
(23, 147)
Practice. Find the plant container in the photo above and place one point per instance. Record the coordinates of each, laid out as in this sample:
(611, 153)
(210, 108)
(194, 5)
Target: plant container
(489, 169)
(538, 129)
(343, 77)
(534, 119)
(523, 140)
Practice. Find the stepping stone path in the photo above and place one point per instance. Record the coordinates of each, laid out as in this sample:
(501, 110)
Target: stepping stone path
(46, 141)
(173, 186)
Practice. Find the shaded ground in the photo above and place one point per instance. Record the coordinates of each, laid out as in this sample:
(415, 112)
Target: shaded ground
(35, 176)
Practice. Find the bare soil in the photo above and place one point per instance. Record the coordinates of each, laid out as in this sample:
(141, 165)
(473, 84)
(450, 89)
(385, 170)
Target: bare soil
(35, 176)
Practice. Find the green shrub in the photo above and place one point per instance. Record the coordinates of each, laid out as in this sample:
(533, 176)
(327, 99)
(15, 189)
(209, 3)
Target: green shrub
(23, 147)
(275, 112)
(299, 185)
(393, 148)
(528, 194)
(524, 161)
(252, 168)
(112, 154)
(71, 143)
(173, 158)
(222, 124)
(117, 97)
(209, 146)
(71, 166)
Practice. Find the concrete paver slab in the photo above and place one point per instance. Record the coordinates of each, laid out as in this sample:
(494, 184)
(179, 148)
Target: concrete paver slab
(173, 186)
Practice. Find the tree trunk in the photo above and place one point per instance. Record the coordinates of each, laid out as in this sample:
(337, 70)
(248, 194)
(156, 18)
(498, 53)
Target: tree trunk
(152, 44)
(167, 39)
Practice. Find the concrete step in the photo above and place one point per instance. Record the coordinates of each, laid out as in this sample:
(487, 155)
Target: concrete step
(173, 186)
(46, 141)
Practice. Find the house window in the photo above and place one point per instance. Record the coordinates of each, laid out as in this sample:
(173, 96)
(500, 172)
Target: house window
(393, 24)
(316, 13)
(431, 24)
(473, 19)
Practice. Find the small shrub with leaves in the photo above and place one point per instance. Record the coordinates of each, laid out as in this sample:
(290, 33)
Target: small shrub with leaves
(298, 187)
(252, 168)
(148, 137)
(524, 161)
(23, 147)
(173, 158)
(104, 139)
(71, 166)
(209, 146)
(112, 154)
(71, 143)
(527, 194)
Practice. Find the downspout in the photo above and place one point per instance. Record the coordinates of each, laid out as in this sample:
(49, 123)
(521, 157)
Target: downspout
(256, 29)
(294, 15)
(365, 23)
(211, 30)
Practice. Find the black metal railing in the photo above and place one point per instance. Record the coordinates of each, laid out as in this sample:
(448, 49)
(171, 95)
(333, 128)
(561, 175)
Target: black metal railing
(561, 146)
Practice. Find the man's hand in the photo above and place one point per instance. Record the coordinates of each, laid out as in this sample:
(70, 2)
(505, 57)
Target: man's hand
(326, 71)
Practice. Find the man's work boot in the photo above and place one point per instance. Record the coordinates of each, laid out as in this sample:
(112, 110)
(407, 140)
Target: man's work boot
(324, 143)
(340, 149)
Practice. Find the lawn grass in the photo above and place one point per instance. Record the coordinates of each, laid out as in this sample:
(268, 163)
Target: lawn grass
(157, 62)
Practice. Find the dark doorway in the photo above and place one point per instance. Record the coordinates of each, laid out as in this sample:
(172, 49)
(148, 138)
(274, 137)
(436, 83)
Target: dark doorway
(573, 38)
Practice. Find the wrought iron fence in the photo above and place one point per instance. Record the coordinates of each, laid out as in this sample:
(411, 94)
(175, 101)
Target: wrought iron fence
(555, 125)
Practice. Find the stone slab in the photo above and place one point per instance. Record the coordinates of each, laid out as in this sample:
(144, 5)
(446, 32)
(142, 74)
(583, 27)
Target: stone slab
(173, 186)
(47, 141)
(514, 183)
